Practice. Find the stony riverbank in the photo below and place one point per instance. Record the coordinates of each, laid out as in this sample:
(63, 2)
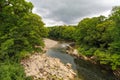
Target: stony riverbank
(49, 43)
(47, 68)
(43, 67)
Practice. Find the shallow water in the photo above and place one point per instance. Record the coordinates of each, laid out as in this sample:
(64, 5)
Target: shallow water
(84, 69)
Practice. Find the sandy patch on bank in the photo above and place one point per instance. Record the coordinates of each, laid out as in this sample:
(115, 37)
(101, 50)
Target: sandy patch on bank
(49, 43)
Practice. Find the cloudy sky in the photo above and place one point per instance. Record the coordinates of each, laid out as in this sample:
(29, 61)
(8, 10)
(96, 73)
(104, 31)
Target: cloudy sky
(60, 12)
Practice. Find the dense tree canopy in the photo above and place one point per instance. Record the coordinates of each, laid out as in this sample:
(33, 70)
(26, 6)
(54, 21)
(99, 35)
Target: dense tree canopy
(115, 16)
(20, 32)
(62, 32)
(95, 32)
(20, 29)
(99, 36)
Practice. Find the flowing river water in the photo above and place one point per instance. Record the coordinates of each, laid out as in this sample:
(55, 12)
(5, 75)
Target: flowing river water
(84, 69)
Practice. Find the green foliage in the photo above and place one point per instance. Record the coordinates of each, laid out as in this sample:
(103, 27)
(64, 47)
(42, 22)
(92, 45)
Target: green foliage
(20, 32)
(115, 16)
(107, 58)
(12, 71)
(68, 33)
(62, 32)
(90, 31)
(20, 29)
(99, 36)
(87, 50)
(54, 32)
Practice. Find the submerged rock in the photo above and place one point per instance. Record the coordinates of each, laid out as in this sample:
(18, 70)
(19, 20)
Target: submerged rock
(47, 68)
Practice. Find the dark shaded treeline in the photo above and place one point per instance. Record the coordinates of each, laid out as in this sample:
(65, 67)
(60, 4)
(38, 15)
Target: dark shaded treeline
(65, 32)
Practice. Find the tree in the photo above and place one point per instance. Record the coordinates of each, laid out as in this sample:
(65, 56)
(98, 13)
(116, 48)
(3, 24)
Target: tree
(20, 29)
(20, 32)
(99, 36)
(115, 16)
(87, 34)
(68, 33)
(62, 32)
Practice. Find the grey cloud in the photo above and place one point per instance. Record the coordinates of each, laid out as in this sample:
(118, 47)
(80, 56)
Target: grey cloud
(67, 11)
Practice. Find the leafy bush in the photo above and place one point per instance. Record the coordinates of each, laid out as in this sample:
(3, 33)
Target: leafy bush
(12, 71)
(112, 60)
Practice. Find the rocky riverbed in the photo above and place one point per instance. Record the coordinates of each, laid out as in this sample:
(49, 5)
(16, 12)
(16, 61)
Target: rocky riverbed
(47, 68)
(43, 67)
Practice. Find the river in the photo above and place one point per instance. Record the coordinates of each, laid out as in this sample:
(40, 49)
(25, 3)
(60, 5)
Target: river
(84, 69)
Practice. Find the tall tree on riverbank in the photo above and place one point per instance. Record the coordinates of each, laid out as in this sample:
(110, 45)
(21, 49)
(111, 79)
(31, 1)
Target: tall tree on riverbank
(115, 16)
(20, 29)
(100, 37)
(20, 32)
